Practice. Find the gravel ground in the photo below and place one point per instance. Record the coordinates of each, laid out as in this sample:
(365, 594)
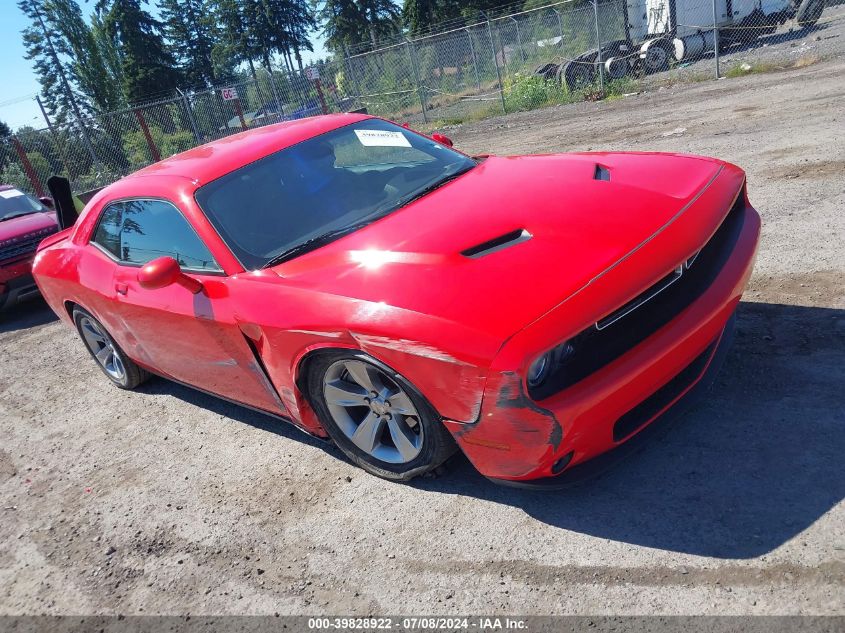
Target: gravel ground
(168, 501)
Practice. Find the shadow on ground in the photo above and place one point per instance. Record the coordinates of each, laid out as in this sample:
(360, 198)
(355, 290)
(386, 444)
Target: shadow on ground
(26, 315)
(755, 463)
(236, 412)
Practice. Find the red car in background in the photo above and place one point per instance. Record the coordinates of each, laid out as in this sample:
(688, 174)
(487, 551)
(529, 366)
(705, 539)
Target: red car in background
(374, 286)
(24, 222)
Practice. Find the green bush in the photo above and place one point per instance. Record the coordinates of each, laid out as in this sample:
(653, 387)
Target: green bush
(138, 152)
(526, 92)
(14, 175)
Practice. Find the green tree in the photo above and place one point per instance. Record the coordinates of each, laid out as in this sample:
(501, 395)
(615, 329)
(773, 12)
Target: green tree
(149, 69)
(109, 49)
(419, 15)
(191, 32)
(383, 19)
(89, 69)
(344, 24)
(53, 65)
(235, 44)
(5, 146)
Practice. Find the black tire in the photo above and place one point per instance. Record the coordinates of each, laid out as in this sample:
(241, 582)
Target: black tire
(658, 57)
(132, 374)
(437, 443)
(578, 74)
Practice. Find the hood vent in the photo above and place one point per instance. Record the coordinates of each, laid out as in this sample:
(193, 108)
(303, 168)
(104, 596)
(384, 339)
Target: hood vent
(601, 173)
(497, 243)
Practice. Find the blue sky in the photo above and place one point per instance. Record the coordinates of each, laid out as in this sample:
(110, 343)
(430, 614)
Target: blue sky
(19, 84)
(18, 78)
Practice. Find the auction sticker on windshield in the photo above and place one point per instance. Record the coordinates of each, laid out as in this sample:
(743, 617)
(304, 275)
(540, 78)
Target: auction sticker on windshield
(382, 138)
(10, 193)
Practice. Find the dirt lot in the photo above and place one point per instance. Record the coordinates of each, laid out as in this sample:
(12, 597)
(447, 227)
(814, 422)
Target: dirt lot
(169, 501)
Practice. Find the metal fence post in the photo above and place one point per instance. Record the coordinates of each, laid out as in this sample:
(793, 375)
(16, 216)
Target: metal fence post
(348, 59)
(29, 170)
(417, 79)
(189, 112)
(716, 37)
(276, 101)
(496, 65)
(474, 60)
(154, 153)
(54, 136)
(518, 39)
(598, 47)
(559, 25)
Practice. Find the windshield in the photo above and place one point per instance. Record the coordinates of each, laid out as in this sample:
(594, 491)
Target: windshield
(307, 194)
(14, 203)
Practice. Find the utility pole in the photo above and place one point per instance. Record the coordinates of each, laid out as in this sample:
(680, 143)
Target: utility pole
(65, 85)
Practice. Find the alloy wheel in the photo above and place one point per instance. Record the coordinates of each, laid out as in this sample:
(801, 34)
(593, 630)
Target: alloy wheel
(102, 348)
(373, 411)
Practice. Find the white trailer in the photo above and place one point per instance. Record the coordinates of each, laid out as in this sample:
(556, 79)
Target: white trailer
(661, 31)
(684, 29)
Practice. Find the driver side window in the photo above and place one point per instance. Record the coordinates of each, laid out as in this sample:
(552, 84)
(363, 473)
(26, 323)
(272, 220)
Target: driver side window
(137, 231)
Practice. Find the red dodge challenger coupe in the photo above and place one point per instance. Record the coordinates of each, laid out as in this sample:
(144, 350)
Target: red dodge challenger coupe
(376, 287)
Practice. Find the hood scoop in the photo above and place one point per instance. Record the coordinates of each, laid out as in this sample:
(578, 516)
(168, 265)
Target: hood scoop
(601, 173)
(499, 243)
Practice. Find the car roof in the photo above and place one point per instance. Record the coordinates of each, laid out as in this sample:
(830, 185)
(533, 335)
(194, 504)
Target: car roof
(210, 161)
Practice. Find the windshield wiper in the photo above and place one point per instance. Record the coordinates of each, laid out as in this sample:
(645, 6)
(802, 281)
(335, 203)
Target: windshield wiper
(17, 215)
(316, 242)
(325, 238)
(429, 188)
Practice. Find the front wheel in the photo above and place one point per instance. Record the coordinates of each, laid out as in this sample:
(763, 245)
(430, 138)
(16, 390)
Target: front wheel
(111, 360)
(376, 417)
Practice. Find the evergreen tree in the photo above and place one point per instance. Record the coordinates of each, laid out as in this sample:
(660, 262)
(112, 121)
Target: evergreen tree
(109, 50)
(5, 130)
(149, 69)
(51, 59)
(344, 24)
(383, 19)
(281, 26)
(236, 43)
(191, 33)
(419, 15)
(89, 68)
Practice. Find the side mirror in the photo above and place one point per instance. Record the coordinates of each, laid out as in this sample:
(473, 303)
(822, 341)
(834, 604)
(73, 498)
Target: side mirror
(443, 140)
(47, 201)
(163, 272)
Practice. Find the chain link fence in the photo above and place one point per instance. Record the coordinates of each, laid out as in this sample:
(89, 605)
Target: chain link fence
(563, 52)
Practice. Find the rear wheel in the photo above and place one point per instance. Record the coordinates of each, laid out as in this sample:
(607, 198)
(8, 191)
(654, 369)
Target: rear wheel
(376, 417)
(112, 360)
(657, 57)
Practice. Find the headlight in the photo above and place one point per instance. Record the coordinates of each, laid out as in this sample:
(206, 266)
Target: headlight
(539, 369)
(545, 365)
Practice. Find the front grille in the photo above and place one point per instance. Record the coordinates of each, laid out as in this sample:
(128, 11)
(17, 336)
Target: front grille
(594, 348)
(24, 245)
(649, 408)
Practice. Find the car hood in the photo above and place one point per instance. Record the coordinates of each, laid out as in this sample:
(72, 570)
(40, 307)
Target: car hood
(579, 223)
(26, 224)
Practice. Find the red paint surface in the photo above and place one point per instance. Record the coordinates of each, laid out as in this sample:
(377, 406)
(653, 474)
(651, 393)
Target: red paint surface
(462, 330)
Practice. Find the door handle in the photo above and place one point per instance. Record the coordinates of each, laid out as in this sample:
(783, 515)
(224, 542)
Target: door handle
(121, 289)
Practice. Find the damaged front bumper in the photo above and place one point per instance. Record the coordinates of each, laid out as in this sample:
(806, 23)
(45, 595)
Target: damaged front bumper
(518, 440)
